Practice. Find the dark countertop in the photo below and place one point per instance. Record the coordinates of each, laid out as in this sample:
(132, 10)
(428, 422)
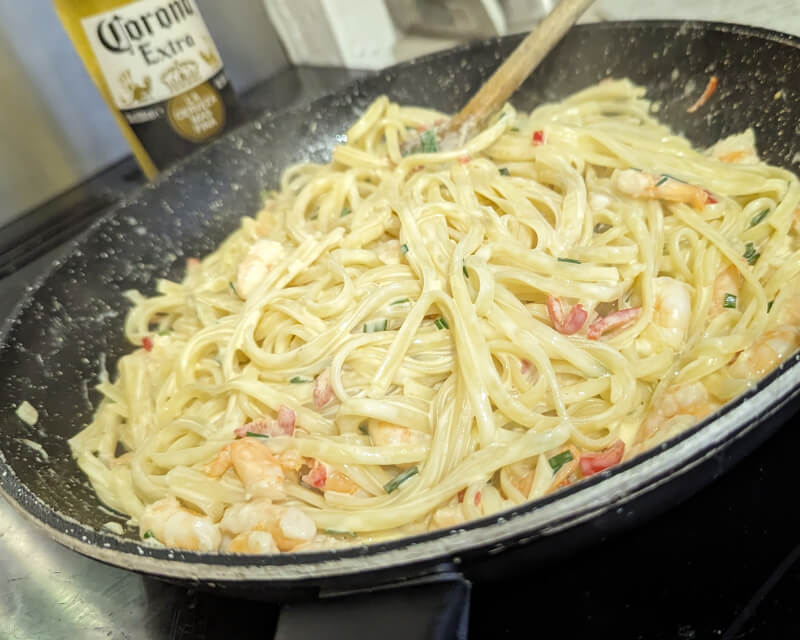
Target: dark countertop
(723, 564)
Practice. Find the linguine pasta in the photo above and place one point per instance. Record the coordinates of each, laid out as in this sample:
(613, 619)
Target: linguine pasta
(402, 340)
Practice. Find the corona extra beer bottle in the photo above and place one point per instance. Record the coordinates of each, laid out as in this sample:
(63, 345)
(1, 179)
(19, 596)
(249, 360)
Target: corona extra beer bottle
(158, 69)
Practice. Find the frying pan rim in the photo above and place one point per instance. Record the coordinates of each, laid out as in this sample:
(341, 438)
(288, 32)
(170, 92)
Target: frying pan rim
(330, 563)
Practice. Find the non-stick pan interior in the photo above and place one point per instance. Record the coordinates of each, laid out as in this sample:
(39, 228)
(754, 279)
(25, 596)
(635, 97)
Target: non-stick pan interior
(70, 327)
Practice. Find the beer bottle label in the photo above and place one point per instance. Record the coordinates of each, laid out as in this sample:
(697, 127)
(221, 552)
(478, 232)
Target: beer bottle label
(164, 74)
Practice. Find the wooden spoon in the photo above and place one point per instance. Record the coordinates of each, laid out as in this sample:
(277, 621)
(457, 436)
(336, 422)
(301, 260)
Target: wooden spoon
(509, 75)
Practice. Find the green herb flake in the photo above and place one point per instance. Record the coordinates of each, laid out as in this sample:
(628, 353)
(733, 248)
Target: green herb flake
(253, 434)
(570, 260)
(515, 129)
(164, 332)
(400, 478)
(750, 253)
(729, 302)
(504, 171)
(404, 249)
(769, 305)
(559, 460)
(759, 217)
(464, 269)
(299, 380)
(666, 176)
(314, 217)
(441, 323)
(375, 325)
(233, 288)
(400, 301)
(346, 211)
(429, 143)
(662, 180)
(342, 533)
(364, 428)
(148, 534)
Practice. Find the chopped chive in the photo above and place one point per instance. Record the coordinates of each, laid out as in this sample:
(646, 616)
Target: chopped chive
(404, 248)
(729, 301)
(662, 180)
(314, 217)
(570, 260)
(750, 253)
(400, 478)
(299, 380)
(400, 301)
(164, 332)
(668, 176)
(340, 532)
(769, 305)
(253, 434)
(559, 460)
(375, 325)
(515, 129)
(364, 428)
(346, 211)
(501, 116)
(759, 217)
(429, 143)
(148, 534)
(233, 288)
(441, 323)
(464, 269)
(504, 171)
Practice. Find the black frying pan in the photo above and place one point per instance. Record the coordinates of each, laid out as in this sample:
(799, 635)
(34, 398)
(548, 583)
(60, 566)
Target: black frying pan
(51, 347)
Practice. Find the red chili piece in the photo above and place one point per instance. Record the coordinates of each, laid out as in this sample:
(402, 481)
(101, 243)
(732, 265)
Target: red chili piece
(592, 463)
(612, 321)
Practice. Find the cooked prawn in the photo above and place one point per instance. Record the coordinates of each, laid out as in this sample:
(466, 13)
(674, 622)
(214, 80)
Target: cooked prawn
(681, 406)
(386, 434)
(176, 526)
(262, 257)
(640, 184)
(728, 282)
(258, 469)
(567, 473)
(672, 310)
(322, 477)
(766, 353)
(252, 542)
(286, 526)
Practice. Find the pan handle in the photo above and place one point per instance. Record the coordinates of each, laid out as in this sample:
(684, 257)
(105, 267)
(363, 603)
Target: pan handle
(431, 608)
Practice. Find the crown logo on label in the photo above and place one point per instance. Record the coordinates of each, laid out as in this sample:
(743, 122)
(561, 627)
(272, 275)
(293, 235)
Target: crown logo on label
(181, 76)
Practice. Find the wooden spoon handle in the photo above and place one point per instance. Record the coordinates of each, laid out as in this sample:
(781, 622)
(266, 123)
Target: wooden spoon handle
(518, 66)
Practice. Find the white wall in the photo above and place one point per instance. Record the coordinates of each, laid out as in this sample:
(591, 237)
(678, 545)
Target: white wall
(55, 129)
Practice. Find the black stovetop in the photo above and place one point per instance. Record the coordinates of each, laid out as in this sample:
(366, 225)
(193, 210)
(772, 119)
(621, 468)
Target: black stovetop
(723, 564)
